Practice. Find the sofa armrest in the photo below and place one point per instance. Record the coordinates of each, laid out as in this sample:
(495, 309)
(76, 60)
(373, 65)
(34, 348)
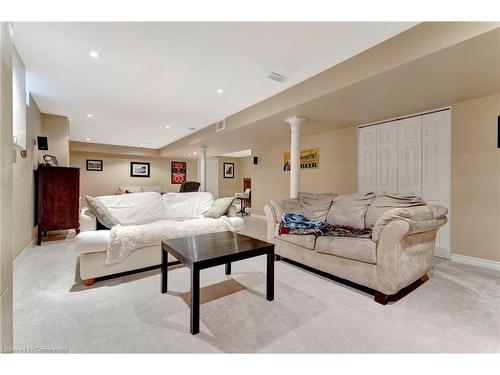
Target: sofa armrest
(420, 219)
(88, 221)
(274, 210)
(406, 240)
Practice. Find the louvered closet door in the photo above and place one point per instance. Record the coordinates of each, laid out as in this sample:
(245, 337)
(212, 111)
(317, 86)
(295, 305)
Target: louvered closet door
(387, 157)
(410, 156)
(367, 159)
(436, 128)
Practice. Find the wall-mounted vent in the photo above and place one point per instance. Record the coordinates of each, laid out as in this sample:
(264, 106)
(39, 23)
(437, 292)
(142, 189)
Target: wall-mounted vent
(277, 77)
(220, 125)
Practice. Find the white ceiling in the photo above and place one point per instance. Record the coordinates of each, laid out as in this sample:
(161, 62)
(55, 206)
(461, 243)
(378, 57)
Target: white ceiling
(151, 75)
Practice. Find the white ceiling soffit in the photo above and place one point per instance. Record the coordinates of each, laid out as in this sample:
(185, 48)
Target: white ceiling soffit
(184, 76)
(238, 154)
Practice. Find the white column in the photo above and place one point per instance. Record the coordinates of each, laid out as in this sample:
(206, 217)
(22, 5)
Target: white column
(295, 123)
(203, 168)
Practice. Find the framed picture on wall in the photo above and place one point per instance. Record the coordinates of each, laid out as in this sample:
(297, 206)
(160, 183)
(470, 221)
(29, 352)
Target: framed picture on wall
(139, 169)
(94, 165)
(228, 170)
(177, 172)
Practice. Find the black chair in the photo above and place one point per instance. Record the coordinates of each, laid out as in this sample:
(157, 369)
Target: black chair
(189, 187)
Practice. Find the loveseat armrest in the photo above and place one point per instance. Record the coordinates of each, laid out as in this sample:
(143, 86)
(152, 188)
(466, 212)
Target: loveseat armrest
(274, 210)
(406, 239)
(420, 219)
(88, 221)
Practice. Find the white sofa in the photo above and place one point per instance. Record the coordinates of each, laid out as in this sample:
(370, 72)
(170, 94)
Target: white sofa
(92, 244)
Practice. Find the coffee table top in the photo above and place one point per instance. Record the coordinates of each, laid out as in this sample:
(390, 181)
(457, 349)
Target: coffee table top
(212, 246)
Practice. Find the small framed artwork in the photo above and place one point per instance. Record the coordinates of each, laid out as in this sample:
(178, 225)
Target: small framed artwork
(50, 160)
(228, 170)
(94, 165)
(139, 169)
(177, 172)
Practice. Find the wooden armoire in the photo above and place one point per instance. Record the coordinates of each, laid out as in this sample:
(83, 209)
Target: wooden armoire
(57, 199)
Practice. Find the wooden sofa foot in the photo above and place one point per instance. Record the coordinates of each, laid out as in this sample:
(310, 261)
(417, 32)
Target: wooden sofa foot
(424, 278)
(381, 298)
(89, 282)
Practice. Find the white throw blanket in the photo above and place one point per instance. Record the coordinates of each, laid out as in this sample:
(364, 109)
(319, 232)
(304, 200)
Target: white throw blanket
(126, 239)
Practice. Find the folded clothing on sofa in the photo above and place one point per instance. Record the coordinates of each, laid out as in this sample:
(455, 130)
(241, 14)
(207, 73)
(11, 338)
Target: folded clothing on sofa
(293, 223)
(343, 231)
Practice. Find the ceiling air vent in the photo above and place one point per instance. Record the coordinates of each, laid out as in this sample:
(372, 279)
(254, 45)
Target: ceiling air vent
(277, 77)
(220, 125)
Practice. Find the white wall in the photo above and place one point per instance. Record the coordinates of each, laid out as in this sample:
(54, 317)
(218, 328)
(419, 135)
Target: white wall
(6, 336)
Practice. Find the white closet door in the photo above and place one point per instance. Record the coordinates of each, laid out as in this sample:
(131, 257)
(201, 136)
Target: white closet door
(410, 156)
(367, 159)
(436, 150)
(387, 157)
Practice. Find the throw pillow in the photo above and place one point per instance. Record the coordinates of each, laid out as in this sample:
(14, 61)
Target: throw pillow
(101, 212)
(219, 207)
(349, 210)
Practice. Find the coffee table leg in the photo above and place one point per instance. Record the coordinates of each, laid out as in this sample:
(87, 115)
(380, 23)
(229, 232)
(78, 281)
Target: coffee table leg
(164, 271)
(195, 300)
(228, 268)
(270, 276)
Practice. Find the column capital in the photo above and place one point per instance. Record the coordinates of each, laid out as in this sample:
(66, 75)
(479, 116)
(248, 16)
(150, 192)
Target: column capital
(295, 121)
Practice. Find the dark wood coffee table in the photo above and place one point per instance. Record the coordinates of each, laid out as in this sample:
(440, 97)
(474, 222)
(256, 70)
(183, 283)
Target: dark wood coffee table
(209, 250)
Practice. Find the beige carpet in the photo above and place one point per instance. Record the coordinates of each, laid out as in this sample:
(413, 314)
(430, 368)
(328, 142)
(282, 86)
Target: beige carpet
(457, 310)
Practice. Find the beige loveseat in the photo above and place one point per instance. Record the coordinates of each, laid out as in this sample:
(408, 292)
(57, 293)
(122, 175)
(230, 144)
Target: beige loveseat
(399, 252)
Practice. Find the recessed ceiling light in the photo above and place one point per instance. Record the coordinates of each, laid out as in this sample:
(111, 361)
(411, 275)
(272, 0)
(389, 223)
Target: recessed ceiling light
(87, 139)
(194, 153)
(192, 129)
(220, 91)
(94, 54)
(142, 144)
(89, 115)
(167, 127)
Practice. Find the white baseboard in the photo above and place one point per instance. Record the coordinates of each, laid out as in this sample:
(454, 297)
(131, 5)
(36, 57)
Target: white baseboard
(485, 263)
(23, 253)
(263, 217)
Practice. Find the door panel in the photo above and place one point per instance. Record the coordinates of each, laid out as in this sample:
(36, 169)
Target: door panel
(410, 156)
(367, 159)
(436, 148)
(387, 157)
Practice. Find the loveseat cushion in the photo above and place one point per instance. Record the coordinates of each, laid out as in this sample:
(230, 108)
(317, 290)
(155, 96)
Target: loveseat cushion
(307, 241)
(315, 206)
(360, 249)
(389, 201)
(349, 210)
